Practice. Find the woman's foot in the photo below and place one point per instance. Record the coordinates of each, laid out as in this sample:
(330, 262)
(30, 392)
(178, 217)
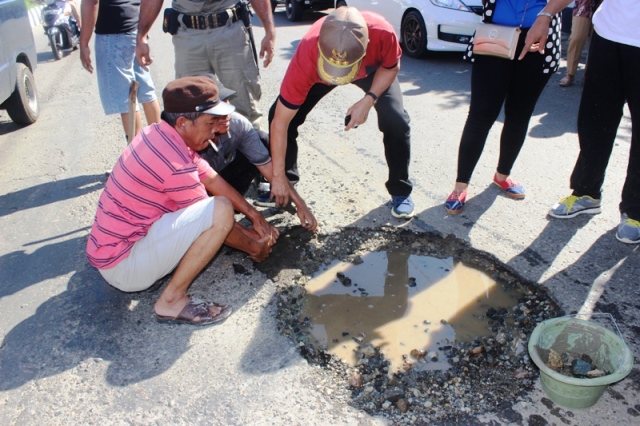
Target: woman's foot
(456, 200)
(511, 188)
(567, 80)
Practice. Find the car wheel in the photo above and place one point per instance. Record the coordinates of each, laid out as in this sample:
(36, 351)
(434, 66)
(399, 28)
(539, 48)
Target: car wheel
(294, 10)
(22, 105)
(414, 35)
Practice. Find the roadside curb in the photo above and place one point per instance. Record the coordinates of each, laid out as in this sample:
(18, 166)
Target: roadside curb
(35, 16)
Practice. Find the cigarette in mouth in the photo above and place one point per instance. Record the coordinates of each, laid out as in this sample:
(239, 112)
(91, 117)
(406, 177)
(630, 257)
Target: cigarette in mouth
(213, 145)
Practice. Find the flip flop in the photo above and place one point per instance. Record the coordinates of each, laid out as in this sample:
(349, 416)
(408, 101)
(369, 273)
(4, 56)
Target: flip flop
(197, 312)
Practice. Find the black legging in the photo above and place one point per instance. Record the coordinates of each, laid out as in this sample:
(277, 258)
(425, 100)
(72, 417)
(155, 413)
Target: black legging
(496, 81)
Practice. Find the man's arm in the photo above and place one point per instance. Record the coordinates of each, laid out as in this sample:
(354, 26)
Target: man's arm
(216, 185)
(537, 35)
(307, 219)
(382, 79)
(149, 11)
(89, 10)
(267, 47)
(278, 147)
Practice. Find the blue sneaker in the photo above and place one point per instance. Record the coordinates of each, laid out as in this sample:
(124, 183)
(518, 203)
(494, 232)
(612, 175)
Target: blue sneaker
(264, 195)
(628, 230)
(402, 206)
(263, 200)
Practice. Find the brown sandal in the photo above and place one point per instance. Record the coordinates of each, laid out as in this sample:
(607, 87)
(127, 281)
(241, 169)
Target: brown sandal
(567, 80)
(198, 312)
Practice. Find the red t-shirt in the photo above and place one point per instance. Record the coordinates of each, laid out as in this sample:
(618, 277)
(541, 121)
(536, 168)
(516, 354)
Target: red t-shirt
(383, 50)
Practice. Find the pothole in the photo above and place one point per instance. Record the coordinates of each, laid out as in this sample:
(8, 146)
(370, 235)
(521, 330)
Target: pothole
(411, 307)
(376, 315)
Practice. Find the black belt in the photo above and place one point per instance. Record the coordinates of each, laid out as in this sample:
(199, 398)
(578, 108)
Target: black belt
(214, 20)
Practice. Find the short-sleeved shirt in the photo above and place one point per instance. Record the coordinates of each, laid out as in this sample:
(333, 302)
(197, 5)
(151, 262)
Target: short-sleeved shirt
(198, 7)
(156, 174)
(117, 16)
(510, 12)
(383, 51)
(617, 20)
(240, 137)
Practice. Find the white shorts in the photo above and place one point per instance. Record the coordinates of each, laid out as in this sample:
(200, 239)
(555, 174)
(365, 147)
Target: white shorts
(160, 251)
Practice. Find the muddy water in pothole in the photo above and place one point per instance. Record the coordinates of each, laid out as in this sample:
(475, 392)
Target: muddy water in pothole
(401, 302)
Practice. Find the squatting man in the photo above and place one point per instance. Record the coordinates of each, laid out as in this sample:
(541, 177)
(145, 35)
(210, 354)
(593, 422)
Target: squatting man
(154, 215)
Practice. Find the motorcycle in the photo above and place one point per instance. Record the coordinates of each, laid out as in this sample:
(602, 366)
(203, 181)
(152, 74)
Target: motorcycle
(60, 26)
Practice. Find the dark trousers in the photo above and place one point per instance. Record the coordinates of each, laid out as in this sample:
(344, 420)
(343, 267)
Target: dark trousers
(393, 122)
(494, 82)
(241, 172)
(612, 77)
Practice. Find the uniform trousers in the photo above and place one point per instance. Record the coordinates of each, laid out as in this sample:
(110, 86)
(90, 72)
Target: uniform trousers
(225, 52)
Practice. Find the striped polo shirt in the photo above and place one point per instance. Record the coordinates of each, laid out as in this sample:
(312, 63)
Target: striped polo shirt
(156, 174)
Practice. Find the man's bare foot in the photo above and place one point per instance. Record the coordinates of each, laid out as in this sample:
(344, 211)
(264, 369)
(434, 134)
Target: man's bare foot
(172, 310)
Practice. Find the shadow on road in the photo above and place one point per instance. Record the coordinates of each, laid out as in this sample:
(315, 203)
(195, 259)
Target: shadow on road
(50, 192)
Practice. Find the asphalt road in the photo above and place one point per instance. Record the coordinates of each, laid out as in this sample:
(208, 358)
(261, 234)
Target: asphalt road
(76, 351)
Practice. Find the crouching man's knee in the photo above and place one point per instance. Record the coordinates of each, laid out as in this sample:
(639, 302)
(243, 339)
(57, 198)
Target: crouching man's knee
(222, 214)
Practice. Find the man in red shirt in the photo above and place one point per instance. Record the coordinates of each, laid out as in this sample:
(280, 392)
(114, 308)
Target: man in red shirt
(345, 47)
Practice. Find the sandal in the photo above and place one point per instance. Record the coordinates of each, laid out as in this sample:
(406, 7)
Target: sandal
(567, 80)
(198, 312)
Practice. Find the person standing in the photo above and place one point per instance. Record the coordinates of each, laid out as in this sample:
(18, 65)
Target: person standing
(347, 46)
(613, 79)
(115, 23)
(580, 29)
(515, 83)
(211, 37)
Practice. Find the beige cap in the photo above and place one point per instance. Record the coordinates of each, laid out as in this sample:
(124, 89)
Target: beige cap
(342, 43)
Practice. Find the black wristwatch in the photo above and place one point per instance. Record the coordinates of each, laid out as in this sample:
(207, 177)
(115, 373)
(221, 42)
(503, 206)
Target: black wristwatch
(373, 96)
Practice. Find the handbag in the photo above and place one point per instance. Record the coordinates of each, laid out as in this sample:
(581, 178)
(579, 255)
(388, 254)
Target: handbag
(497, 40)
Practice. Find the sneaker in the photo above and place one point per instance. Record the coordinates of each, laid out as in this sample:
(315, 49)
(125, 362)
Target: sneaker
(511, 188)
(455, 202)
(264, 195)
(628, 230)
(573, 205)
(403, 206)
(263, 199)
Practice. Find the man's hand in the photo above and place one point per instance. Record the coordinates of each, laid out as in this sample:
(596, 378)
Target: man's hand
(359, 112)
(264, 245)
(307, 219)
(85, 58)
(143, 54)
(536, 37)
(266, 49)
(262, 227)
(280, 190)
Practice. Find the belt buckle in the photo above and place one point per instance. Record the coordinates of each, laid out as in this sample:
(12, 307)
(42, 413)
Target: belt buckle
(202, 24)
